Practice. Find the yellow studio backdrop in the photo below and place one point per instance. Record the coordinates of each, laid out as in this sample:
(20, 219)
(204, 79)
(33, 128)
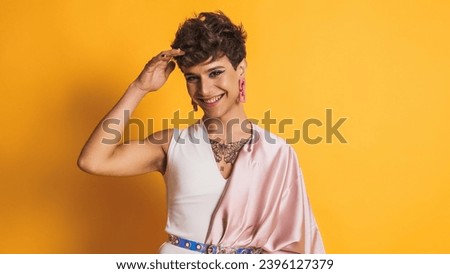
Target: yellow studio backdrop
(382, 66)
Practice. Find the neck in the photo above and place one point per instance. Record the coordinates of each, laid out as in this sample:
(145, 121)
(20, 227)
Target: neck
(229, 128)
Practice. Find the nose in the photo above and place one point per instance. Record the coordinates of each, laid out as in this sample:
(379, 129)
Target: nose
(205, 87)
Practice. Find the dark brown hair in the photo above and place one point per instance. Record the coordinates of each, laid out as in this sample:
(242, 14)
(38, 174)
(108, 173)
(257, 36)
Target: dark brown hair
(209, 34)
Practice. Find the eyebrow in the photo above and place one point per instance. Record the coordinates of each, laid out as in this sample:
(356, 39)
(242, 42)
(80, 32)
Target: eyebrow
(209, 70)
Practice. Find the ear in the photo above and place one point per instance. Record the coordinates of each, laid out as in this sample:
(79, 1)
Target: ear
(242, 67)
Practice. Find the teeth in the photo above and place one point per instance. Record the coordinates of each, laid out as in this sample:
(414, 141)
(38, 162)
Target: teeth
(213, 100)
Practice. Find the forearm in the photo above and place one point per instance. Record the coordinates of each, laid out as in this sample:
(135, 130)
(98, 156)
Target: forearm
(107, 135)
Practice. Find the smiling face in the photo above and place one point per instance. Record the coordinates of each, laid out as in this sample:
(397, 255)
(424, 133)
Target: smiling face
(214, 87)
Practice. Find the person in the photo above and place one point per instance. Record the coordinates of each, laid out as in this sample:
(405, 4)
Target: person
(232, 187)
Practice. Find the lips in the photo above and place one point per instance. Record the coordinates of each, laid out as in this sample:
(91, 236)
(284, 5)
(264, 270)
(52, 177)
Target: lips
(212, 100)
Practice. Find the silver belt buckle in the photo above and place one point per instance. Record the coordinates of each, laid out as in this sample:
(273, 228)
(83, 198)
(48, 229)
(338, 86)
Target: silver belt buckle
(210, 249)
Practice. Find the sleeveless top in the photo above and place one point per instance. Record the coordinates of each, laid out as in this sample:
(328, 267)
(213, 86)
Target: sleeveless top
(194, 186)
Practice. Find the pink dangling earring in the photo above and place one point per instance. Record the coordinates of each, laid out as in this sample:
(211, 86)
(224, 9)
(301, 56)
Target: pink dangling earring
(194, 105)
(242, 90)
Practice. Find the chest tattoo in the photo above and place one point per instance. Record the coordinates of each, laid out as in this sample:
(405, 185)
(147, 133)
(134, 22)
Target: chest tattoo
(227, 152)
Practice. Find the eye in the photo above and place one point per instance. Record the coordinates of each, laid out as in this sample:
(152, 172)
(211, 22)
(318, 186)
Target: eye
(191, 78)
(215, 73)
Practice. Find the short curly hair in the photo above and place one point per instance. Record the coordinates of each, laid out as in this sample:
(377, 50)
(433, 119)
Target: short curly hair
(209, 34)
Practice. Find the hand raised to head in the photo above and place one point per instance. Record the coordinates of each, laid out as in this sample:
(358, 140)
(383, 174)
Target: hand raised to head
(157, 71)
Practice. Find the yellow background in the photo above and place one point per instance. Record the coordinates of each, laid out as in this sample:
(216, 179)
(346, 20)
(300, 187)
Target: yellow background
(383, 65)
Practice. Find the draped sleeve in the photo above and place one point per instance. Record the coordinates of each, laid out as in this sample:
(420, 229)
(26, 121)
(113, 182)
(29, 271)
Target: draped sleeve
(265, 203)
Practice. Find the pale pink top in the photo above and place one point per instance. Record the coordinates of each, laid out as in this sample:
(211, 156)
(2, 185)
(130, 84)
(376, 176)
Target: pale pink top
(265, 202)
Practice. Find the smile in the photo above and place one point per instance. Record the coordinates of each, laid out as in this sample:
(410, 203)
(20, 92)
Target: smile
(212, 100)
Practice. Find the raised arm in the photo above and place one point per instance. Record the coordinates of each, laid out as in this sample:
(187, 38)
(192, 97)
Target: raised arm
(101, 156)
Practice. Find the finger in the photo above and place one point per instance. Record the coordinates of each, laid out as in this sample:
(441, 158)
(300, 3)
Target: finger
(170, 53)
(164, 57)
(170, 67)
(176, 52)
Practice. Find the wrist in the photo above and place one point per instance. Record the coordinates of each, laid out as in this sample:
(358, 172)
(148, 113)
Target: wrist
(134, 89)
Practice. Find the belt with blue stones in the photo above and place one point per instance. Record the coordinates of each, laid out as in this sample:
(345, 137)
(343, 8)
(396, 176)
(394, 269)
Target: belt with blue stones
(210, 248)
